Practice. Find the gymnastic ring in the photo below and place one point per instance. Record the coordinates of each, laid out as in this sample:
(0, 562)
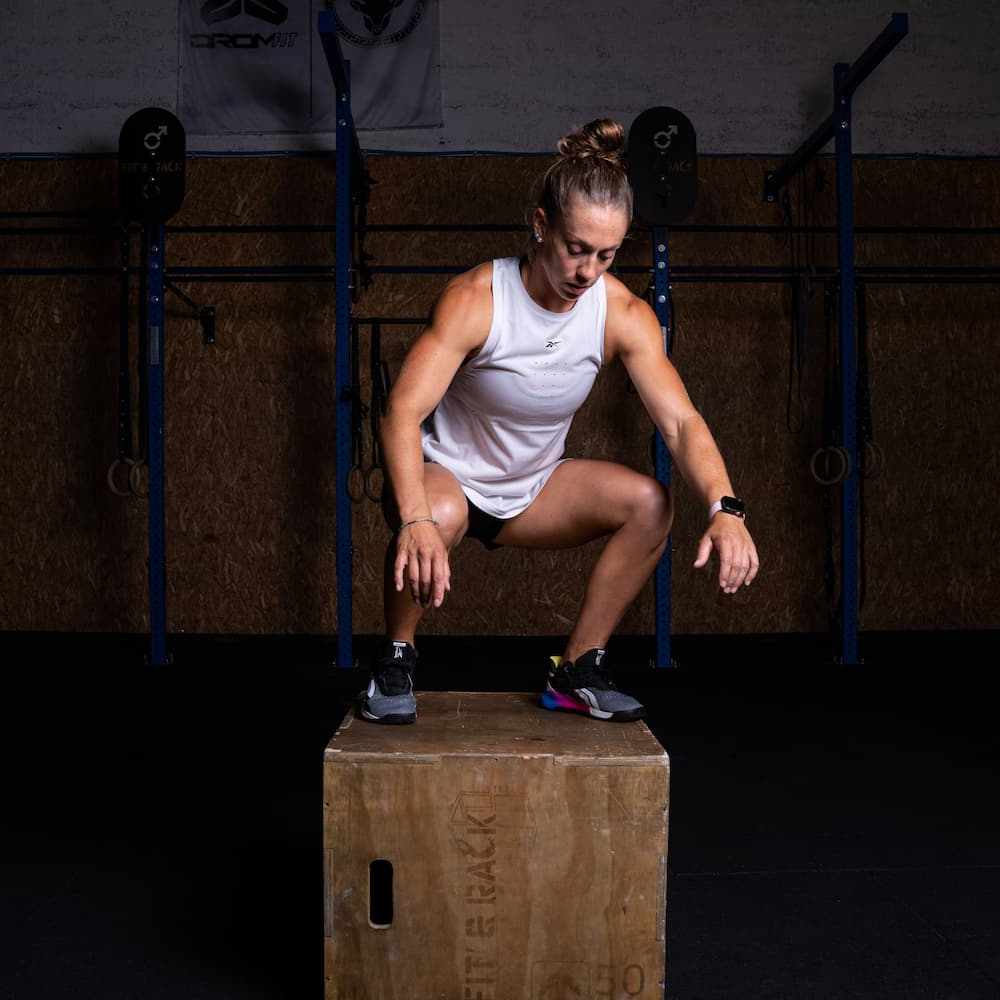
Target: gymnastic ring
(845, 465)
(112, 469)
(356, 484)
(874, 468)
(135, 481)
(369, 491)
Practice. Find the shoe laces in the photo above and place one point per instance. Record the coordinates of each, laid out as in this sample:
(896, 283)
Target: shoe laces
(592, 675)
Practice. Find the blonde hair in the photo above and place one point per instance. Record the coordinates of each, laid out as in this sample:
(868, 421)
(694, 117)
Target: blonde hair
(591, 164)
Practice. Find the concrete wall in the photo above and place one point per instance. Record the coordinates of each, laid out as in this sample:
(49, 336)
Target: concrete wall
(754, 76)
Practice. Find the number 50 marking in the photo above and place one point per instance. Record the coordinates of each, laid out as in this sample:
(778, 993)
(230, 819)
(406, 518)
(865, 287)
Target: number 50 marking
(633, 980)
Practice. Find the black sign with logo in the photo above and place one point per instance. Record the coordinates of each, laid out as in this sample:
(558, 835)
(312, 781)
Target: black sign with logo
(663, 166)
(151, 151)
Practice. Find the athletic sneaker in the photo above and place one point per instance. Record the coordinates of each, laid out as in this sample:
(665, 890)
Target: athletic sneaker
(390, 697)
(586, 686)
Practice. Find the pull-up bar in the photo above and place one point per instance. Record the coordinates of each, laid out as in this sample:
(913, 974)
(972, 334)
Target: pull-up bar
(858, 72)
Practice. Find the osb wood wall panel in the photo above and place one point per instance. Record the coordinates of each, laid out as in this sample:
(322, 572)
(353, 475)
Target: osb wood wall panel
(250, 422)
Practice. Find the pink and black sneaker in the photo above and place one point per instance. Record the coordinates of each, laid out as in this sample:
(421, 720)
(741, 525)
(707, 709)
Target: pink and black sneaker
(586, 687)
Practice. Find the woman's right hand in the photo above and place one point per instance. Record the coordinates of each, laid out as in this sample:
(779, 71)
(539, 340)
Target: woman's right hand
(422, 561)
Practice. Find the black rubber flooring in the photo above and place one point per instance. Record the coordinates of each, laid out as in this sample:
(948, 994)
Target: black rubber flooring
(834, 831)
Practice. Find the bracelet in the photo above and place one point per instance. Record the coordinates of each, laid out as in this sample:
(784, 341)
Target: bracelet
(417, 521)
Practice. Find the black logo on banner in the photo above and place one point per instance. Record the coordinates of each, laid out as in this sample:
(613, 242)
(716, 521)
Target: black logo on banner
(370, 23)
(277, 40)
(213, 11)
(272, 11)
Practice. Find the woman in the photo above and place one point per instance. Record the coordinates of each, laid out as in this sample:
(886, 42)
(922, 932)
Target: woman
(477, 419)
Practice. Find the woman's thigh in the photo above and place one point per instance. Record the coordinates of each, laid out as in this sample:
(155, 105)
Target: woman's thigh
(448, 504)
(585, 499)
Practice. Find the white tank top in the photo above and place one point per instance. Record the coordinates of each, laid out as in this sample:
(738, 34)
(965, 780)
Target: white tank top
(501, 426)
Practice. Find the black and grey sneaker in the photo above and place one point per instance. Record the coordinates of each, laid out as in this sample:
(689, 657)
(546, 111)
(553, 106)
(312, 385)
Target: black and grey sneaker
(389, 697)
(586, 687)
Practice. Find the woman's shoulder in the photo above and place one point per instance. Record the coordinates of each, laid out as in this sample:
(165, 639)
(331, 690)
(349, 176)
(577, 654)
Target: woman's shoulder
(478, 279)
(480, 276)
(474, 285)
(466, 304)
(624, 308)
(623, 304)
(620, 296)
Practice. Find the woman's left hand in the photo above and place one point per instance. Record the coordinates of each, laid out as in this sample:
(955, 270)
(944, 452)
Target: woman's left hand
(738, 562)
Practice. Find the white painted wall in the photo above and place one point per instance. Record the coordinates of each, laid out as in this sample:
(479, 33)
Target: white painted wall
(755, 77)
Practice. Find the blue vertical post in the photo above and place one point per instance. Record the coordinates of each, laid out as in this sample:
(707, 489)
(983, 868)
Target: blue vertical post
(661, 460)
(154, 237)
(848, 370)
(345, 404)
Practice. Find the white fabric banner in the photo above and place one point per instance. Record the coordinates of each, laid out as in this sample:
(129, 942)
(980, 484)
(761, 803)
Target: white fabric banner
(394, 50)
(257, 66)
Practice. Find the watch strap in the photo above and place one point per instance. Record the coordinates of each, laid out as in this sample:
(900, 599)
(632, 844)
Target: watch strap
(719, 505)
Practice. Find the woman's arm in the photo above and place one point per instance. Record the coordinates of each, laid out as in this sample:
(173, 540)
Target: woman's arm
(633, 332)
(459, 325)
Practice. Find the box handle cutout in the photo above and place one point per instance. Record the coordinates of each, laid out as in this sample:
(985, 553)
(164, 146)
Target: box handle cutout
(380, 893)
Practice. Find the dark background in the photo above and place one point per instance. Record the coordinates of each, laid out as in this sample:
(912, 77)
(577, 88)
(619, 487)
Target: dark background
(833, 831)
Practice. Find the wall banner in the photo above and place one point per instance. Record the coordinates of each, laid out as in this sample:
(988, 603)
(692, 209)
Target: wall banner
(257, 66)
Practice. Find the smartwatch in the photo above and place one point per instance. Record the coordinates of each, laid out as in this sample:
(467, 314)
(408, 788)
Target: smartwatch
(728, 505)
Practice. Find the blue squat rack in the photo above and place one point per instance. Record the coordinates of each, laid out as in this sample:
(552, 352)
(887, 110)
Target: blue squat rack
(347, 163)
(154, 237)
(847, 77)
(661, 456)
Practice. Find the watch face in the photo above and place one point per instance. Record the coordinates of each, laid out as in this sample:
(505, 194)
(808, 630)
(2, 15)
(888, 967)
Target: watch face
(732, 505)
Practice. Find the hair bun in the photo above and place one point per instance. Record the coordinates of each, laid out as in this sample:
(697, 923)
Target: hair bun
(602, 138)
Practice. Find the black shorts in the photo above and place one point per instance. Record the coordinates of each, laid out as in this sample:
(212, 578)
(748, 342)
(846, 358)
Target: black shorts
(483, 526)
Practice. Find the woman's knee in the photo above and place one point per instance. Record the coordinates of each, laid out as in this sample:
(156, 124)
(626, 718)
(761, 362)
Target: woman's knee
(452, 516)
(652, 506)
(446, 500)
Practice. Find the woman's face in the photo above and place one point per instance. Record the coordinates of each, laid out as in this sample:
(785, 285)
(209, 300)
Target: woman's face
(580, 247)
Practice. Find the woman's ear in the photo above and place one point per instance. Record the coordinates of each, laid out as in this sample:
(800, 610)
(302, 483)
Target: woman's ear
(539, 224)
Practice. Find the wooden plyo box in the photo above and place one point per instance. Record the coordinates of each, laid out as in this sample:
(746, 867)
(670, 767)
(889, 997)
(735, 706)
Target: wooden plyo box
(528, 852)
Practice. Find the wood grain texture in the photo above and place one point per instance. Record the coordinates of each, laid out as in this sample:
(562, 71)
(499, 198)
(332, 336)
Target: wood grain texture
(528, 851)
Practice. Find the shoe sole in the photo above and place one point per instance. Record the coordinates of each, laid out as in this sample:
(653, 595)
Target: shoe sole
(393, 719)
(556, 701)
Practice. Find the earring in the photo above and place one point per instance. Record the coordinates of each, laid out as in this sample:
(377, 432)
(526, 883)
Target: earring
(538, 239)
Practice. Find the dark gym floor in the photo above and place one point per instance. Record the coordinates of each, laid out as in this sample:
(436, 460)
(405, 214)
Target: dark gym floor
(834, 831)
